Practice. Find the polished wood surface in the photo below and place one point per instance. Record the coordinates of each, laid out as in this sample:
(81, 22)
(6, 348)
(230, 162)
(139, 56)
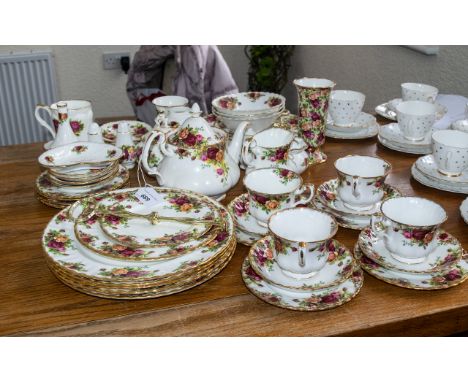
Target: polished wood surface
(34, 302)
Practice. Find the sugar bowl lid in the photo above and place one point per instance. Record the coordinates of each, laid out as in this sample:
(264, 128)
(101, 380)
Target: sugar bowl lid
(196, 130)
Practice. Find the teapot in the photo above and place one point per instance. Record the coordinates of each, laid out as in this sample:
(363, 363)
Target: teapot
(275, 147)
(195, 156)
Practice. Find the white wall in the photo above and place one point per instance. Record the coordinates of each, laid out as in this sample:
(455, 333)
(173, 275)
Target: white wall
(80, 75)
(377, 71)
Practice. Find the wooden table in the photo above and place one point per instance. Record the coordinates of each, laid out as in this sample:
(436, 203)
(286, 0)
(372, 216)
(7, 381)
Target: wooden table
(34, 302)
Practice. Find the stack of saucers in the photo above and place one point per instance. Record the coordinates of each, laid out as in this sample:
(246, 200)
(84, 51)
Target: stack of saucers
(139, 243)
(261, 109)
(137, 130)
(357, 193)
(299, 268)
(447, 168)
(78, 170)
(407, 248)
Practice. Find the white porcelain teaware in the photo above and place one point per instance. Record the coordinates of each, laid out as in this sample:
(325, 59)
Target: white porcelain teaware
(195, 156)
(345, 106)
(411, 91)
(131, 151)
(450, 151)
(65, 134)
(410, 226)
(460, 125)
(273, 189)
(164, 103)
(416, 119)
(275, 147)
(95, 133)
(361, 180)
(79, 111)
(300, 240)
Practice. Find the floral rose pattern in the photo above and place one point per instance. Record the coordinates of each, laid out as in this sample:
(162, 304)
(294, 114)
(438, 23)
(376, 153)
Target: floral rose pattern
(191, 144)
(77, 266)
(49, 159)
(313, 108)
(77, 127)
(183, 203)
(285, 175)
(253, 96)
(273, 101)
(229, 103)
(80, 149)
(263, 256)
(58, 242)
(276, 155)
(269, 203)
(130, 153)
(111, 153)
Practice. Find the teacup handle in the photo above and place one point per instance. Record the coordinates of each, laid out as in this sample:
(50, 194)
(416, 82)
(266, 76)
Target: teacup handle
(307, 187)
(41, 121)
(246, 158)
(355, 184)
(376, 219)
(301, 255)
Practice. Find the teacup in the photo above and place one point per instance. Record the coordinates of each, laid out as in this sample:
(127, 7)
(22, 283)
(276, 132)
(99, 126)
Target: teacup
(415, 119)
(411, 91)
(164, 103)
(450, 151)
(79, 111)
(274, 189)
(300, 238)
(410, 226)
(361, 180)
(345, 106)
(268, 148)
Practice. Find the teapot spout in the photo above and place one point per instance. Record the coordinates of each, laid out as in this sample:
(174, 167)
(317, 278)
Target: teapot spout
(235, 147)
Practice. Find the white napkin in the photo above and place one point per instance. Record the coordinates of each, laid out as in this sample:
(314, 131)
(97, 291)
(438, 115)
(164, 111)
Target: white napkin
(455, 105)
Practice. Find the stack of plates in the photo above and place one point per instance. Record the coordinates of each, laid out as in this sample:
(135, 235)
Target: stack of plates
(119, 245)
(328, 200)
(78, 170)
(424, 170)
(391, 137)
(335, 284)
(445, 267)
(261, 109)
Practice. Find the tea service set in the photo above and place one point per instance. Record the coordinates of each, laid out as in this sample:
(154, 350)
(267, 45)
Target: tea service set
(290, 264)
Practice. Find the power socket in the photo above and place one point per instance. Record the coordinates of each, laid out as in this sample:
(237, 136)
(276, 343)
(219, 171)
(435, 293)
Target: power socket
(112, 60)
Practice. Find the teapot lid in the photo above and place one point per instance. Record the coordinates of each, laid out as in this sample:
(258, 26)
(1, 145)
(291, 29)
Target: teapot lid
(195, 131)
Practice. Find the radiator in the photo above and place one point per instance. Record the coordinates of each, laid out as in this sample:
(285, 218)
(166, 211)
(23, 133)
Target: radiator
(25, 80)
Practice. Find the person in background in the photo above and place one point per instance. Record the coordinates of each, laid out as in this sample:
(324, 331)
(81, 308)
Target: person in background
(201, 74)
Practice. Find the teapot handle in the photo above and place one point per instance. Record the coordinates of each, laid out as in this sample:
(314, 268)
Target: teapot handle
(146, 150)
(41, 121)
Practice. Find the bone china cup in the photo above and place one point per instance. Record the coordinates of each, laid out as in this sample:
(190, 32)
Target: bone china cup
(274, 189)
(361, 180)
(163, 104)
(300, 237)
(410, 226)
(411, 91)
(415, 119)
(345, 106)
(450, 151)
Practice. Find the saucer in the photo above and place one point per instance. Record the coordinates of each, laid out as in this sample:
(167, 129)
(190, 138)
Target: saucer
(428, 167)
(363, 121)
(433, 281)
(392, 133)
(246, 225)
(429, 182)
(447, 252)
(464, 210)
(368, 132)
(320, 299)
(338, 268)
(387, 109)
(406, 150)
(327, 198)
